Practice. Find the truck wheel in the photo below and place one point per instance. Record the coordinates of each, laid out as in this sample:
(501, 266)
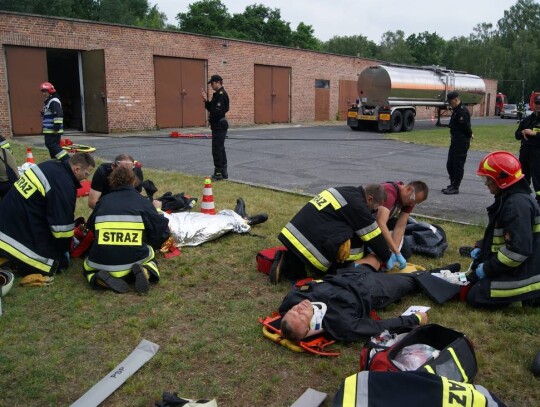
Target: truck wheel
(408, 121)
(396, 122)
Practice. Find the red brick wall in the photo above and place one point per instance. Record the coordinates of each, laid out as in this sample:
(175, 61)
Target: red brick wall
(130, 75)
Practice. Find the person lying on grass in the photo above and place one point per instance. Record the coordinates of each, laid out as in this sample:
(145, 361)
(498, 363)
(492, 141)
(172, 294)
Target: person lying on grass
(340, 304)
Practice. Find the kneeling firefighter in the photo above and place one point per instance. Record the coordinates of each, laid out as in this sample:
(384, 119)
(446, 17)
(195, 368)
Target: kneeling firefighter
(127, 229)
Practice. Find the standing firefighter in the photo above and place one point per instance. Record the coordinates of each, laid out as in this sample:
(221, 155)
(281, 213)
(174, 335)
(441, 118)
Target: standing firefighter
(528, 132)
(461, 134)
(218, 107)
(53, 121)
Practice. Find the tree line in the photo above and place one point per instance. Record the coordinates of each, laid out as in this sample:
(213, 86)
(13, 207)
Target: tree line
(508, 51)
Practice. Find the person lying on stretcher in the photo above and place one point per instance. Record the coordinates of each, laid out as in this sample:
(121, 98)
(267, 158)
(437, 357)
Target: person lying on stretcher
(340, 304)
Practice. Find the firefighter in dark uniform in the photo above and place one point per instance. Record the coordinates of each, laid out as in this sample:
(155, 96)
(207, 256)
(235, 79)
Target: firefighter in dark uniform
(53, 121)
(127, 228)
(330, 230)
(348, 297)
(461, 134)
(9, 173)
(218, 107)
(507, 266)
(528, 132)
(37, 215)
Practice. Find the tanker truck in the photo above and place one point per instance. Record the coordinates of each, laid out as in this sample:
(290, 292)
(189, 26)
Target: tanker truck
(389, 94)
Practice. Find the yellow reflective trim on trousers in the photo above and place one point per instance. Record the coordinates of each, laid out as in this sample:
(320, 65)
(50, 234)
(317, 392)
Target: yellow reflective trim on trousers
(458, 364)
(498, 293)
(325, 198)
(429, 369)
(349, 391)
(24, 258)
(354, 257)
(60, 235)
(367, 237)
(120, 225)
(536, 228)
(302, 249)
(498, 240)
(507, 260)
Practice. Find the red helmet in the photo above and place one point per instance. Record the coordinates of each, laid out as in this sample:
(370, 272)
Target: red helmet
(48, 87)
(501, 166)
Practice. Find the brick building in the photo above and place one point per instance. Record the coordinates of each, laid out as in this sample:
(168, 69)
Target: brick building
(114, 78)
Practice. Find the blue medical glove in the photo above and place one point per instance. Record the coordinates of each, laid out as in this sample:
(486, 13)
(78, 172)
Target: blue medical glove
(391, 261)
(401, 260)
(475, 253)
(480, 273)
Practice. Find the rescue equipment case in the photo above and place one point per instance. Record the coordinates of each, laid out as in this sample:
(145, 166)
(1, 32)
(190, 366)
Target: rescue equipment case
(266, 257)
(456, 359)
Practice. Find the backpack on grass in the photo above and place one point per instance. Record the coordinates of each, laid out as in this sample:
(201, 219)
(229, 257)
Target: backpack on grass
(429, 348)
(266, 257)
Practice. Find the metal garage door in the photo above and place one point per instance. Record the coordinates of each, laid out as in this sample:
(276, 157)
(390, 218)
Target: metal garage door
(178, 83)
(95, 91)
(272, 94)
(26, 70)
(348, 94)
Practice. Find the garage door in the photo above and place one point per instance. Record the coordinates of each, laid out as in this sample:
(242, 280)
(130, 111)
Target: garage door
(26, 70)
(272, 94)
(348, 94)
(178, 83)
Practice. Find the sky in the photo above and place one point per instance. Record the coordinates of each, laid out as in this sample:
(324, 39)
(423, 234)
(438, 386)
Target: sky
(370, 19)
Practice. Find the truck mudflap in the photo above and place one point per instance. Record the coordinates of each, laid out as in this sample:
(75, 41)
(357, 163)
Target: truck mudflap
(385, 120)
(352, 117)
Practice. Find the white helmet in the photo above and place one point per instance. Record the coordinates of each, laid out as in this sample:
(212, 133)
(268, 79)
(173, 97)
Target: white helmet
(6, 281)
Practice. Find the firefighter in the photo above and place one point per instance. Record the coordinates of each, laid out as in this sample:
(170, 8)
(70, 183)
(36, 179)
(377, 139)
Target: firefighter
(9, 173)
(218, 107)
(340, 304)
(507, 261)
(460, 141)
(37, 215)
(100, 181)
(528, 132)
(330, 230)
(53, 121)
(127, 229)
(393, 215)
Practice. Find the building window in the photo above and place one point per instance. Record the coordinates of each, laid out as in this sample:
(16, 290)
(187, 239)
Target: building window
(322, 84)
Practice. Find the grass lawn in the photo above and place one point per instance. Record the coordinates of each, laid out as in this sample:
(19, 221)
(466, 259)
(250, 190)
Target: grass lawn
(58, 341)
(486, 137)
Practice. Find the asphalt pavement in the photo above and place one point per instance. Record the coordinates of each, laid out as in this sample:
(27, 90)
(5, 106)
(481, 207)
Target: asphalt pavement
(308, 159)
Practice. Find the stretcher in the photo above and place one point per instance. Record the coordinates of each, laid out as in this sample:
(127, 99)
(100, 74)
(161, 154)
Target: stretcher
(71, 147)
(315, 344)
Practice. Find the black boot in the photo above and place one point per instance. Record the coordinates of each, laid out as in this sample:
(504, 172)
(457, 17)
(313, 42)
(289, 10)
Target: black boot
(224, 173)
(256, 219)
(452, 190)
(240, 208)
(218, 176)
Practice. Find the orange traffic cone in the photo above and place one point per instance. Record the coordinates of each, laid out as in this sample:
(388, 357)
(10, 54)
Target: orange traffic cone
(29, 156)
(207, 204)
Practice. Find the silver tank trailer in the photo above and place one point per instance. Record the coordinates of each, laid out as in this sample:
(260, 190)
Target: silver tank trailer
(398, 86)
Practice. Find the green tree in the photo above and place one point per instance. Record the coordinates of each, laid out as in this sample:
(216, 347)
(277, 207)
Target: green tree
(209, 17)
(303, 38)
(355, 45)
(394, 48)
(261, 24)
(426, 48)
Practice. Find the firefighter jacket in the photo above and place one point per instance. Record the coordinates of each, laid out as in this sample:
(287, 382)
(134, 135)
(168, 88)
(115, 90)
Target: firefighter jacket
(218, 107)
(348, 300)
(460, 123)
(510, 249)
(53, 116)
(36, 222)
(316, 232)
(127, 229)
(418, 389)
(530, 122)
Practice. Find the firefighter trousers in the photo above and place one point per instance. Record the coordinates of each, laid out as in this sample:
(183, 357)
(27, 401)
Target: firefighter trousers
(457, 154)
(530, 163)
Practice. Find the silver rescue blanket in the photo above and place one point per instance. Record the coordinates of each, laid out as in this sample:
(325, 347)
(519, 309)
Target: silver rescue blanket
(192, 228)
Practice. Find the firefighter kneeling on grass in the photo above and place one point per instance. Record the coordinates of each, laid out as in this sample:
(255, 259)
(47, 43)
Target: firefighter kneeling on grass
(127, 228)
